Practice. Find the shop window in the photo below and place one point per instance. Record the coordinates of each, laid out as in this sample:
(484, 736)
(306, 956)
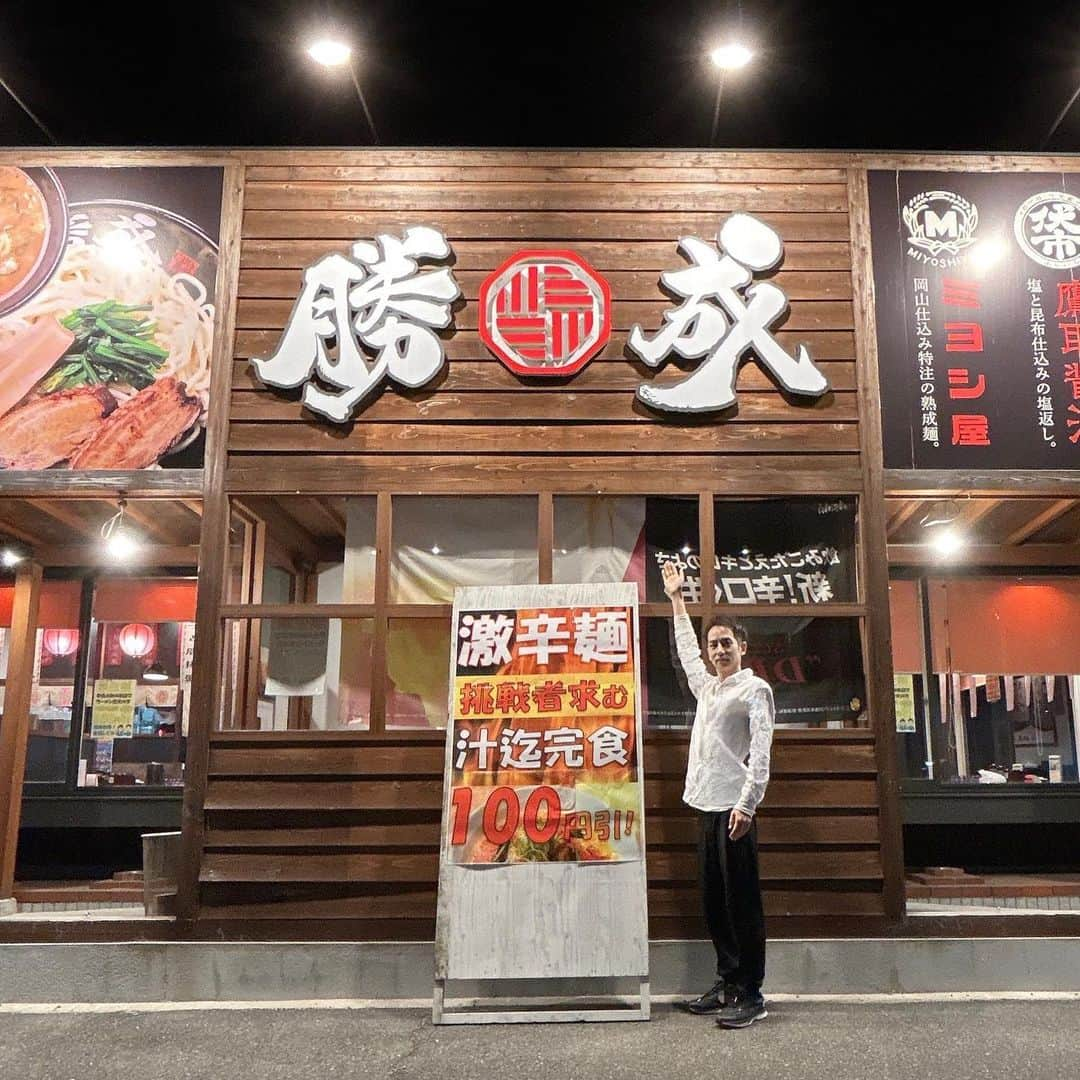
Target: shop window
(1003, 700)
(442, 543)
(311, 674)
(418, 673)
(602, 538)
(814, 666)
(293, 549)
(785, 551)
(136, 704)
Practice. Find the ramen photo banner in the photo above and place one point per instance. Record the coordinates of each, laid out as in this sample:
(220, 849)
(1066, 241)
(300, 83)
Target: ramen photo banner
(544, 744)
(107, 280)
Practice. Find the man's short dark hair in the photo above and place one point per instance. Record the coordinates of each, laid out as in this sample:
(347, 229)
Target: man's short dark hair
(737, 629)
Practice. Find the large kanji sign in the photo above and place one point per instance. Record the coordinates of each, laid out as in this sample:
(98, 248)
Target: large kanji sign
(545, 313)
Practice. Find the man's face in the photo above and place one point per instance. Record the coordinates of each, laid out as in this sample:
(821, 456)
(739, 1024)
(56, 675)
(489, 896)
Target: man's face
(724, 650)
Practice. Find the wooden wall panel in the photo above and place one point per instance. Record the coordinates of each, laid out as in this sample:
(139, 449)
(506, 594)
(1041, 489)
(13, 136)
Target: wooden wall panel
(339, 830)
(347, 828)
(622, 211)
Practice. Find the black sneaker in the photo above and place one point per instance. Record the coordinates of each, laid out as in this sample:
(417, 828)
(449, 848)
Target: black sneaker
(742, 1012)
(713, 1000)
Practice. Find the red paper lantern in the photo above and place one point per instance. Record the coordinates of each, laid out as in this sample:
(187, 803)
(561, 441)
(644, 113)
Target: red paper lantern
(60, 642)
(136, 640)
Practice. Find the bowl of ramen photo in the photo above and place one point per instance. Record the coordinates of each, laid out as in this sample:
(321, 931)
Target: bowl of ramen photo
(107, 366)
(33, 232)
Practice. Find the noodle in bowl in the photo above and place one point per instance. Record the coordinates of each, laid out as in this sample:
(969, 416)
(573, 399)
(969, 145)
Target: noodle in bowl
(115, 254)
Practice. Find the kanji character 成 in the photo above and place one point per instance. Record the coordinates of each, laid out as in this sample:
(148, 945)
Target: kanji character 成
(520, 749)
(378, 299)
(1068, 299)
(609, 746)
(723, 316)
(482, 744)
(970, 430)
(960, 384)
(604, 636)
(543, 636)
(567, 743)
(486, 640)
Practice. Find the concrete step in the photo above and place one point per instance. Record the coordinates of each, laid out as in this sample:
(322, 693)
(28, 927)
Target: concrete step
(293, 971)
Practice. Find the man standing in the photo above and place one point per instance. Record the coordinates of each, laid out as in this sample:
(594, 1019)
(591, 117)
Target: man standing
(726, 776)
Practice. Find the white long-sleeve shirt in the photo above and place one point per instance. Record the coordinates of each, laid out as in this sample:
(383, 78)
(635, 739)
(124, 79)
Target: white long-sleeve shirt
(734, 722)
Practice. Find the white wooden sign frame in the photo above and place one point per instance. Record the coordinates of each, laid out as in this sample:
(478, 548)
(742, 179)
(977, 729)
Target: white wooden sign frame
(541, 921)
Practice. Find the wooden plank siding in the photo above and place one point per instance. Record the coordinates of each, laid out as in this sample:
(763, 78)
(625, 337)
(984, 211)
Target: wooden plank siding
(347, 828)
(339, 829)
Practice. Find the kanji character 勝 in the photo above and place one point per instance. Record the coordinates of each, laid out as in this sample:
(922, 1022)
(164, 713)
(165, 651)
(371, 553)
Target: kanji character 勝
(609, 746)
(603, 636)
(718, 287)
(486, 640)
(378, 299)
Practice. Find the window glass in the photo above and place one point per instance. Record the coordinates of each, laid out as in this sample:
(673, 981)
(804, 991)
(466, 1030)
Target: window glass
(441, 543)
(785, 551)
(814, 667)
(310, 674)
(599, 538)
(418, 673)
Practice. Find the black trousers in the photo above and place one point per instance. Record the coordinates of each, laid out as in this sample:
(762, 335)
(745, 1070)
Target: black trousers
(731, 891)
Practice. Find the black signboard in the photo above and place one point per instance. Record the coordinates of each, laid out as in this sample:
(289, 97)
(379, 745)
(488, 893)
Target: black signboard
(978, 318)
(768, 551)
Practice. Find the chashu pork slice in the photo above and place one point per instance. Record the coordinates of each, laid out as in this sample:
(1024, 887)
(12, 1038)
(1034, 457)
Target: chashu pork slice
(49, 429)
(142, 429)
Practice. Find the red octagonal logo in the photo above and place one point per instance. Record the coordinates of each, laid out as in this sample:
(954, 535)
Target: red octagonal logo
(545, 313)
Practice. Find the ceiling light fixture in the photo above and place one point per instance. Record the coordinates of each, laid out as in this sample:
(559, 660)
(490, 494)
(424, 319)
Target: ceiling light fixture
(119, 543)
(9, 557)
(943, 512)
(155, 673)
(330, 52)
(947, 542)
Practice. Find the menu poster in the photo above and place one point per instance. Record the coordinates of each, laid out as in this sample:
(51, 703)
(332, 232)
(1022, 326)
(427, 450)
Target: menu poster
(904, 695)
(114, 709)
(978, 318)
(545, 738)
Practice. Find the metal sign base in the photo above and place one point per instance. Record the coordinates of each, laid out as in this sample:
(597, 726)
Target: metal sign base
(569, 1014)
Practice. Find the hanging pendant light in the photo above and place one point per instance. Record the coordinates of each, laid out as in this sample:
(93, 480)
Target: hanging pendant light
(155, 672)
(60, 643)
(136, 640)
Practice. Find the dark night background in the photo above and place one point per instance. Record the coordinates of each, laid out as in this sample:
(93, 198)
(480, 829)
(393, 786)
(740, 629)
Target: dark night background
(833, 75)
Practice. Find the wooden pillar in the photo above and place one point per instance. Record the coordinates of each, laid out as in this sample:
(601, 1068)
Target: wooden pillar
(206, 683)
(877, 632)
(15, 728)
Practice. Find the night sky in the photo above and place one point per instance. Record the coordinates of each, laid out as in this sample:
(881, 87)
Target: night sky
(580, 74)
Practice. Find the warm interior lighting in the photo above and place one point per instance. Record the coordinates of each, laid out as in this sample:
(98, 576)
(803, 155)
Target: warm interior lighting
(329, 52)
(155, 673)
(60, 642)
(946, 542)
(731, 56)
(9, 557)
(685, 549)
(436, 550)
(136, 640)
(121, 545)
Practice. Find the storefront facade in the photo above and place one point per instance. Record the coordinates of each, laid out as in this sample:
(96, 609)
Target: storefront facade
(312, 814)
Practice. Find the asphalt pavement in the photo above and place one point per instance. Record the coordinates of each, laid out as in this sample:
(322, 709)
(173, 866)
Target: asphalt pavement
(1035, 1040)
